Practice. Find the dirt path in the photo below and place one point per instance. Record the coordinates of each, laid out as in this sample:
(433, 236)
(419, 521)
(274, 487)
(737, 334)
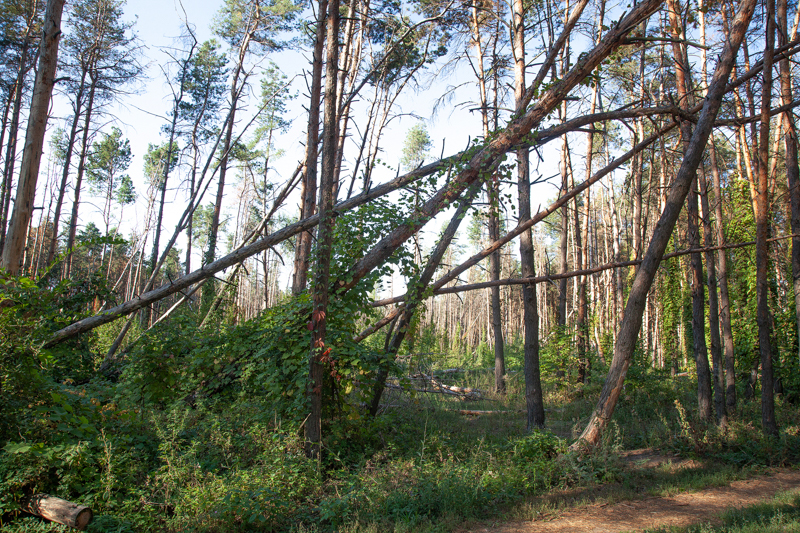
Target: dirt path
(681, 510)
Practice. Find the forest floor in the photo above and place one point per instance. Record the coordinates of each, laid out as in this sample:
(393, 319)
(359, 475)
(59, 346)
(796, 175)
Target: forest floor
(597, 510)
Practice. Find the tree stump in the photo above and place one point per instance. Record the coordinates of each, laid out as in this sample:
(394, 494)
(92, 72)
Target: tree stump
(61, 511)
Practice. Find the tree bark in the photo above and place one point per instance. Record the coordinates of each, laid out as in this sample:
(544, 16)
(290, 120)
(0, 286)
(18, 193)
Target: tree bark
(73, 133)
(792, 170)
(683, 86)
(34, 138)
(309, 196)
(60, 511)
(632, 319)
(73, 223)
(724, 299)
(713, 308)
(514, 135)
(330, 139)
(761, 211)
(534, 401)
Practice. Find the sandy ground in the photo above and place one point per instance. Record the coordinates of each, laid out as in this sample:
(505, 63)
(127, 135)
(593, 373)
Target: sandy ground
(681, 510)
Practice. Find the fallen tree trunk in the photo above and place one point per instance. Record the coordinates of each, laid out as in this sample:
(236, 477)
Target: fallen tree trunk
(60, 511)
(471, 412)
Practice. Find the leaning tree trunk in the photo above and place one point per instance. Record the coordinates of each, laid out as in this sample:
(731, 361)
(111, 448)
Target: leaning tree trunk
(637, 298)
(34, 138)
(484, 160)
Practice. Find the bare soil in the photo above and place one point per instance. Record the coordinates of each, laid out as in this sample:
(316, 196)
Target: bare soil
(636, 515)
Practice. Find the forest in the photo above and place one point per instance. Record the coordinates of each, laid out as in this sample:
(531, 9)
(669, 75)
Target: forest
(302, 309)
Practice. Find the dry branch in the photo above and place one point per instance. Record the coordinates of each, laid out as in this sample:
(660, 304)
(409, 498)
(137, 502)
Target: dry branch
(573, 273)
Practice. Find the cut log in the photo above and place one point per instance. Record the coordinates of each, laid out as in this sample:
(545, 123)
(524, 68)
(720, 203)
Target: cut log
(61, 511)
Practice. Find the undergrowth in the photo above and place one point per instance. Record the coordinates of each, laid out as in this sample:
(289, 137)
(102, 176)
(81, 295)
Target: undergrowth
(204, 433)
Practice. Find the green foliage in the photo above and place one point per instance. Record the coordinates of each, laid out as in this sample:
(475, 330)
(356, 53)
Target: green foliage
(109, 156)
(415, 147)
(157, 161)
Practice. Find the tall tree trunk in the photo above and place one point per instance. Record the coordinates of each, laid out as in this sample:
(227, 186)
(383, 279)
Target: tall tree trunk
(713, 308)
(34, 138)
(493, 187)
(11, 148)
(761, 211)
(211, 251)
(683, 85)
(533, 384)
(792, 171)
(313, 428)
(563, 247)
(167, 167)
(62, 189)
(309, 194)
(582, 243)
(708, 238)
(637, 298)
(724, 299)
(73, 223)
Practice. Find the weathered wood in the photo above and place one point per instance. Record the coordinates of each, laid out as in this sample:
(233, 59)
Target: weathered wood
(59, 510)
(440, 389)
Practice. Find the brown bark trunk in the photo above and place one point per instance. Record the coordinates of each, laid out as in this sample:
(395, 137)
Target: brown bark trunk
(73, 223)
(683, 85)
(34, 138)
(533, 385)
(761, 211)
(561, 309)
(309, 196)
(11, 148)
(724, 299)
(792, 170)
(313, 427)
(73, 133)
(497, 323)
(713, 308)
